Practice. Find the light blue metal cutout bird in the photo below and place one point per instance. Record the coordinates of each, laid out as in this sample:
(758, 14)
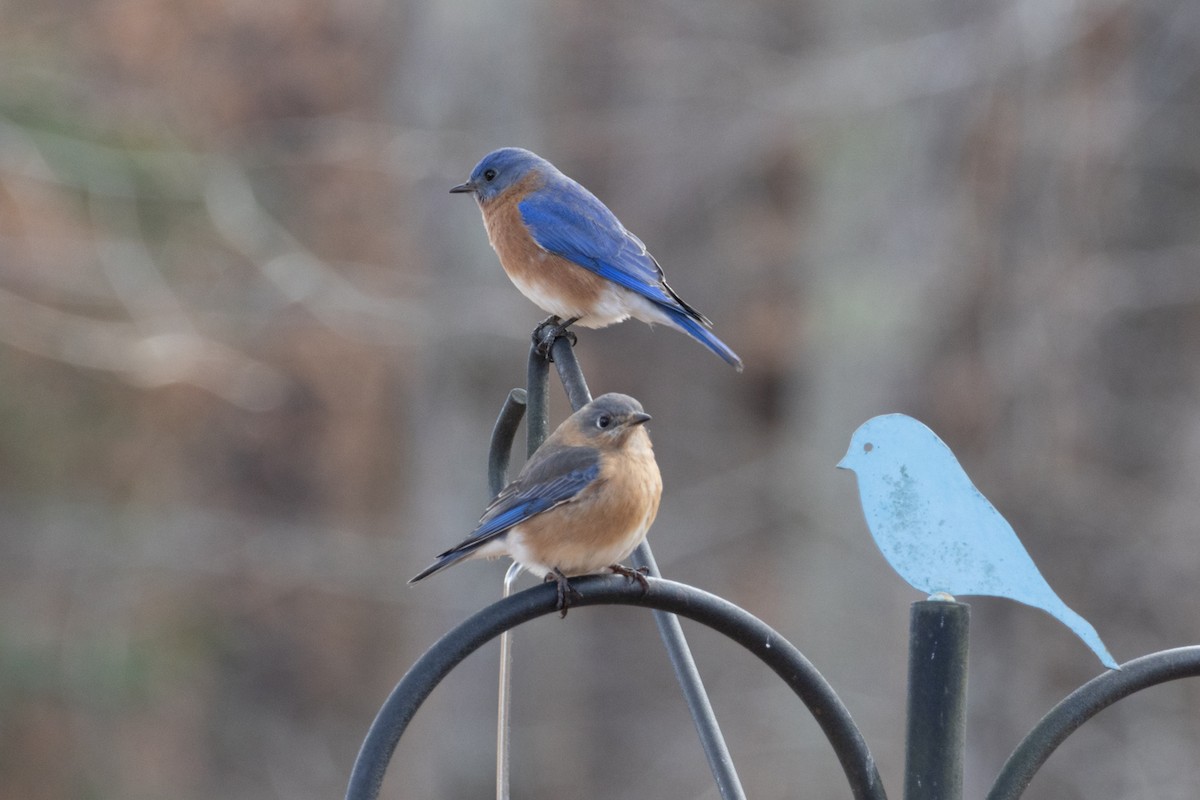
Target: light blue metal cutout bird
(937, 530)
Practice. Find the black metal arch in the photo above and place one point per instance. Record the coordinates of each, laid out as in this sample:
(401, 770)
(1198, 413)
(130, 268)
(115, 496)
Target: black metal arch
(1084, 703)
(687, 601)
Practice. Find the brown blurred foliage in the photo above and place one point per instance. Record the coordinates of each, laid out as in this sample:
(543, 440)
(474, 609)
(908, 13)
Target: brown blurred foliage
(251, 351)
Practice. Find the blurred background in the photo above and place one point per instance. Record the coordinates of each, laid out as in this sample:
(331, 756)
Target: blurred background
(251, 351)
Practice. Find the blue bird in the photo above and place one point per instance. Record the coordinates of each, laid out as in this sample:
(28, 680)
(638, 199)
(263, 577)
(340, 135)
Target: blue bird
(570, 255)
(937, 530)
(582, 503)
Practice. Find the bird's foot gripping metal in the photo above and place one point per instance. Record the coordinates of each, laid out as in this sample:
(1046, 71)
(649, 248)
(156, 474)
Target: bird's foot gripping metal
(565, 590)
(638, 574)
(550, 330)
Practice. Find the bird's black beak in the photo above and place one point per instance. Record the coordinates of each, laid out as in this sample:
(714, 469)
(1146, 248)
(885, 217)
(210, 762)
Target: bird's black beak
(638, 418)
(462, 188)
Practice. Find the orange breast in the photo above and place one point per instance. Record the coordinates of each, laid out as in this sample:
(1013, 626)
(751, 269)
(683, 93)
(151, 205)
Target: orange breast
(553, 283)
(589, 534)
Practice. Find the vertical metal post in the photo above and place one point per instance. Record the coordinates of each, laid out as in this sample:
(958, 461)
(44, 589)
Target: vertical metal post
(503, 723)
(503, 433)
(720, 762)
(537, 415)
(570, 374)
(937, 700)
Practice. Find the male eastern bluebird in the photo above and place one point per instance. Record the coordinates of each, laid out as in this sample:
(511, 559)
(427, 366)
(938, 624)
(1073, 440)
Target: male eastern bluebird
(570, 255)
(581, 504)
(937, 530)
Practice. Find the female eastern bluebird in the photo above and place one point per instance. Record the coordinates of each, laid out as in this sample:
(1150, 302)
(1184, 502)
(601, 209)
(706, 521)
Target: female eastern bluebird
(570, 255)
(581, 504)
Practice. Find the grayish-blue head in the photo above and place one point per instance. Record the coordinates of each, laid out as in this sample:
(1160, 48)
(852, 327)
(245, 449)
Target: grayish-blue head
(499, 170)
(609, 417)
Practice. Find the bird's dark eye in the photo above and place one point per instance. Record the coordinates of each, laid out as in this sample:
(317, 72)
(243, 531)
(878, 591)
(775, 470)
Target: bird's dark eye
(603, 421)
(868, 447)
(489, 174)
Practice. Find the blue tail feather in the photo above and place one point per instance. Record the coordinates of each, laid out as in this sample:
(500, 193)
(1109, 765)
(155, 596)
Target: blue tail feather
(702, 334)
(443, 561)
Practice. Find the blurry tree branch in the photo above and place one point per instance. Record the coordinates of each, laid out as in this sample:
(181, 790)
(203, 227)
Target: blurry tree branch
(160, 343)
(295, 271)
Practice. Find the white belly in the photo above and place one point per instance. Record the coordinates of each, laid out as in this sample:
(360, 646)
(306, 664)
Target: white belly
(615, 304)
(599, 560)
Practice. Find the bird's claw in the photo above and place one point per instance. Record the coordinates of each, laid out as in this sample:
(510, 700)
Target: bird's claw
(549, 331)
(565, 590)
(638, 574)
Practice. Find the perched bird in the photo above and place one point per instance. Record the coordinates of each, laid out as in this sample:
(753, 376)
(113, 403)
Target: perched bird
(581, 504)
(570, 255)
(937, 530)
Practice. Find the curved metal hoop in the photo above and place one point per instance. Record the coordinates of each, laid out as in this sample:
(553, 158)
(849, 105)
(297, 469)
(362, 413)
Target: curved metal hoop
(1084, 703)
(722, 616)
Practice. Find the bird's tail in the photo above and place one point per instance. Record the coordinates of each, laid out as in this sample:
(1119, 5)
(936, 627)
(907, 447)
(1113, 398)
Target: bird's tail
(447, 559)
(697, 330)
(1084, 630)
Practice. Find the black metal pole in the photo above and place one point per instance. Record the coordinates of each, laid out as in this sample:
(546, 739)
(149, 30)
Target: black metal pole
(937, 700)
(720, 762)
(537, 418)
(570, 374)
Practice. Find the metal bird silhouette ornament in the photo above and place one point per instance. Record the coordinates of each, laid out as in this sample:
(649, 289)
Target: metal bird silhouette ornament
(937, 530)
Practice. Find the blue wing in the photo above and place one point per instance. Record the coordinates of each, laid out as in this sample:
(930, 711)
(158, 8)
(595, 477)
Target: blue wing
(568, 220)
(543, 484)
(560, 477)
